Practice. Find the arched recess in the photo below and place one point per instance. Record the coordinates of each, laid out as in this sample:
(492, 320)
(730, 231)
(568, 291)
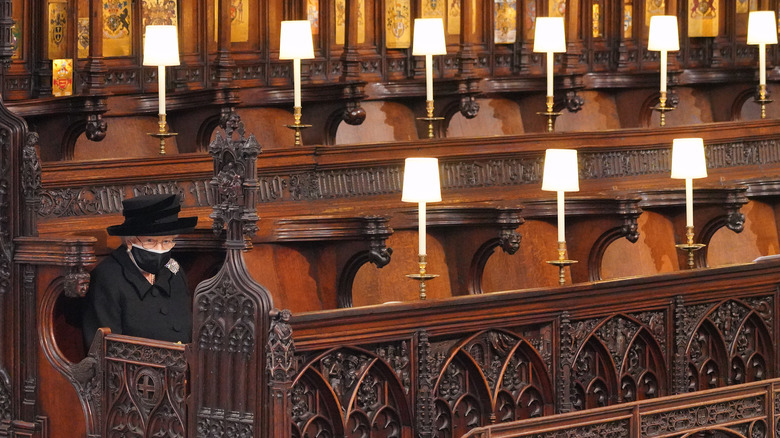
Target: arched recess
(69, 138)
(378, 256)
(477, 268)
(350, 392)
(596, 255)
(733, 220)
(739, 102)
(206, 133)
(83, 374)
(491, 374)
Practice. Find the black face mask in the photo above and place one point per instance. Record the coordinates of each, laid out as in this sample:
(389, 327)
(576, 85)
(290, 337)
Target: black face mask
(150, 261)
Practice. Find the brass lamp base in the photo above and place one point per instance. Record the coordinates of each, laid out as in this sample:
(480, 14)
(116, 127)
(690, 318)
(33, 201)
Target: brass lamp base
(662, 108)
(163, 133)
(430, 118)
(689, 246)
(550, 114)
(762, 100)
(297, 126)
(562, 263)
(422, 276)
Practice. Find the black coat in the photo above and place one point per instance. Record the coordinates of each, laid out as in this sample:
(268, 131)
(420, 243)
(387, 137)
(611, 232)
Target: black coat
(121, 299)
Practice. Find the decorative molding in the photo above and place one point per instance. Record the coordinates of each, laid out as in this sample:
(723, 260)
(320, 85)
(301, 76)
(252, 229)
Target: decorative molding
(708, 415)
(217, 423)
(170, 358)
(371, 181)
(608, 429)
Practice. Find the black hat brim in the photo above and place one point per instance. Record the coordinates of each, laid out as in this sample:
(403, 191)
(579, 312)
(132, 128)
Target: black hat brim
(182, 225)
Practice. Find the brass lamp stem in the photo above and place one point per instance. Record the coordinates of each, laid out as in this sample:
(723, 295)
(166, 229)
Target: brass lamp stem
(430, 118)
(562, 262)
(162, 132)
(297, 125)
(422, 276)
(550, 114)
(662, 108)
(689, 246)
(762, 99)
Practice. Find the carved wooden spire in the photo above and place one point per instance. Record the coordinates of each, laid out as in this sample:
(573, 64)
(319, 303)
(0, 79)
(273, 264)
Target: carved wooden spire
(231, 311)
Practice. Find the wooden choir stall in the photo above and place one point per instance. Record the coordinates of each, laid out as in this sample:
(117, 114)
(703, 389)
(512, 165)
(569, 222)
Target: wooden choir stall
(307, 306)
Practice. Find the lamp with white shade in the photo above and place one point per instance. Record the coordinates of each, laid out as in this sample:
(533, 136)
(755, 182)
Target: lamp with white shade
(550, 38)
(762, 31)
(561, 175)
(428, 40)
(663, 37)
(161, 48)
(296, 43)
(689, 163)
(421, 185)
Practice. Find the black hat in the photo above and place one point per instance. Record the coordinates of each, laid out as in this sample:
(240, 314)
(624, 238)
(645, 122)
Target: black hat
(153, 215)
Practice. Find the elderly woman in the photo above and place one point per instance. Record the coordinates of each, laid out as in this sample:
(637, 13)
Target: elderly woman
(139, 290)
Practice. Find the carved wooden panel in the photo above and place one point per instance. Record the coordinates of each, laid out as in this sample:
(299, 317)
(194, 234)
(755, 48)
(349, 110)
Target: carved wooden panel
(353, 392)
(145, 390)
(619, 359)
(732, 343)
(491, 376)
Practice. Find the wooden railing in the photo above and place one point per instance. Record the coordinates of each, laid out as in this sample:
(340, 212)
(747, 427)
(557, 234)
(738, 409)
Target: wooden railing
(746, 410)
(445, 367)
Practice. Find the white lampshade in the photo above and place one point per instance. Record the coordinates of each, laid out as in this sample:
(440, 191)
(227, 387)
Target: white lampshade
(421, 180)
(688, 158)
(663, 33)
(428, 37)
(549, 35)
(295, 41)
(161, 45)
(762, 28)
(560, 171)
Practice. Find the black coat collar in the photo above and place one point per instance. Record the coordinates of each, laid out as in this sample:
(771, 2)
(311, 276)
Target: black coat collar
(134, 277)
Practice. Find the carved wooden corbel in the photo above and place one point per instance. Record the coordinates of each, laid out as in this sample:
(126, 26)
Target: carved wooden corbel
(573, 101)
(468, 89)
(76, 282)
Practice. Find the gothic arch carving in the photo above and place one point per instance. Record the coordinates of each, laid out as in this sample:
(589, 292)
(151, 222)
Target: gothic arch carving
(354, 385)
(490, 376)
(731, 345)
(620, 359)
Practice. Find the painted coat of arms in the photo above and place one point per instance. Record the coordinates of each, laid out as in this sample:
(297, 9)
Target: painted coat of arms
(158, 12)
(397, 27)
(116, 19)
(505, 21)
(58, 26)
